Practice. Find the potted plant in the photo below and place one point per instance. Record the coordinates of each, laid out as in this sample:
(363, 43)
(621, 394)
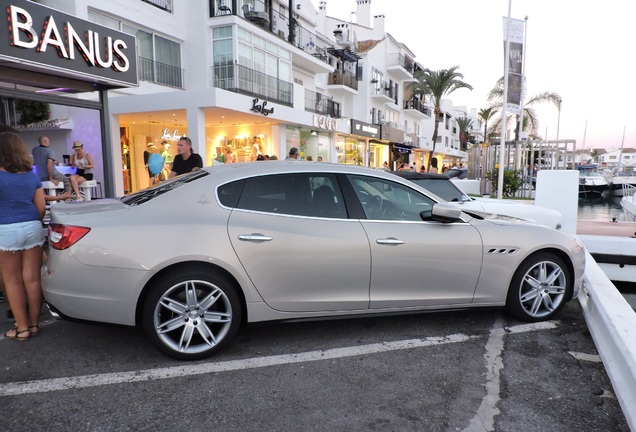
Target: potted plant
(32, 112)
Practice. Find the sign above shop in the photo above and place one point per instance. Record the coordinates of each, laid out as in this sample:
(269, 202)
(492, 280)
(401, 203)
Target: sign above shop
(365, 129)
(391, 133)
(174, 136)
(37, 38)
(260, 108)
(324, 122)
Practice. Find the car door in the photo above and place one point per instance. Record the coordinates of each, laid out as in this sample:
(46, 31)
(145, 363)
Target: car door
(301, 255)
(415, 262)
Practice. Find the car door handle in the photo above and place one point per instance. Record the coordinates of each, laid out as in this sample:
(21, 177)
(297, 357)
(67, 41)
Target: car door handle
(389, 241)
(254, 237)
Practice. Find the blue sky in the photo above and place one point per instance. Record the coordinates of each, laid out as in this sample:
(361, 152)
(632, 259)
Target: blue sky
(580, 50)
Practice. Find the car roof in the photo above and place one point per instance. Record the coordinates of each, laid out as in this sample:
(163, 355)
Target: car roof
(411, 175)
(235, 171)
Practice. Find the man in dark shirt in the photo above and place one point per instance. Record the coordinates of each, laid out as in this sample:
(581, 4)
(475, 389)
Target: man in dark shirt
(44, 160)
(186, 160)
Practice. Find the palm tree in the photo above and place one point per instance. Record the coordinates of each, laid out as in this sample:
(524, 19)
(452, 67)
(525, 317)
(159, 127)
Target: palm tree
(530, 118)
(486, 114)
(437, 85)
(465, 125)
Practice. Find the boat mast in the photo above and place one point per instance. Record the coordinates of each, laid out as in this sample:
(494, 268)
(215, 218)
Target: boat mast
(620, 154)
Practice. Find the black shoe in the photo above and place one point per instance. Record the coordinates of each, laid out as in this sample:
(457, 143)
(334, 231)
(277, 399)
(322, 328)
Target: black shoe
(2, 299)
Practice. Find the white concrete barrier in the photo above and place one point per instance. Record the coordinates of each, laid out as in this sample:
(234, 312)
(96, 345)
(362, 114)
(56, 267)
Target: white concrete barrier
(612, 323)
(469, 187)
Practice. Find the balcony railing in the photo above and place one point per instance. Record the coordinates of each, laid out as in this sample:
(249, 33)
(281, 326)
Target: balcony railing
(383, 88)
(343, 78)
(320, 104)
(416, 104)
(400, 60)
(243, 80)
(160, 73)
(161, 4)
(259, 13)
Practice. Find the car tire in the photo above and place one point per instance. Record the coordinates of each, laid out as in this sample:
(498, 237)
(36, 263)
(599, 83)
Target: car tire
(540, 288)
(191, 313)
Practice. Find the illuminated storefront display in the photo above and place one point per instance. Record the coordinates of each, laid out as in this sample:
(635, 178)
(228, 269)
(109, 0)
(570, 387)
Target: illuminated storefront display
(363, 147)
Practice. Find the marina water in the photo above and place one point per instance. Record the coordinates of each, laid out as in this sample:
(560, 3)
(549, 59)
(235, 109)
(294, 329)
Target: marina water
(595, 207)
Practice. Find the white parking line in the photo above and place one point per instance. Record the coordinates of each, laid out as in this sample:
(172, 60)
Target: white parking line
(84, 381)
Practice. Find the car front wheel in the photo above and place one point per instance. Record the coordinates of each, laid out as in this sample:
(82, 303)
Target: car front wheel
(539, 289)
(191, 314)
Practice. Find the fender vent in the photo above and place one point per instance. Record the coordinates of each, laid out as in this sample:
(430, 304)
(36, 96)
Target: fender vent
(501, 251)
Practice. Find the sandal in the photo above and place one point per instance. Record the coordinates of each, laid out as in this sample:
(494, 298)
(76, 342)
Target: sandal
(37, 330)
(16, 335)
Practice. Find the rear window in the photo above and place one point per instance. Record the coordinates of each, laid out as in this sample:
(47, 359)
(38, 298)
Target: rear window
(148, 194)
(303, 194)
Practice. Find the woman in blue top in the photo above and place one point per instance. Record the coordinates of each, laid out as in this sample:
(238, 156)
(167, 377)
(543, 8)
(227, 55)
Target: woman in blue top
(21, 235)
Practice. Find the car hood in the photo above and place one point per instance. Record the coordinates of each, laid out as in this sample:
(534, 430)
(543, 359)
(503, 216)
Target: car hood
(499, 219)
(541, 215)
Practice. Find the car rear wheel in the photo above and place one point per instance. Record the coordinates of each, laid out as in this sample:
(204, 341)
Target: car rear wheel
(191, 314)
(539, 288)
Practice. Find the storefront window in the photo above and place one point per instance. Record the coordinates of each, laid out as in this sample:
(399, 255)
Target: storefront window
(378, 155)
(240, 148)
(350, 151)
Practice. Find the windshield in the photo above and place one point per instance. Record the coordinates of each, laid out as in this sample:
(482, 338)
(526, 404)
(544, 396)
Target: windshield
(443, 188)
(147, 194)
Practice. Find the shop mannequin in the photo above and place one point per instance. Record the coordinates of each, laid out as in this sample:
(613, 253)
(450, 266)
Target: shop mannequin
(167, 160)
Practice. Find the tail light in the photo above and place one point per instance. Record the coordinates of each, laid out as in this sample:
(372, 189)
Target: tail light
(64, 236)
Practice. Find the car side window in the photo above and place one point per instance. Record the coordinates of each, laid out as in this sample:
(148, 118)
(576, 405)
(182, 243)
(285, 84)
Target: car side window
(383, 199)
(300, 194)
(230, 193)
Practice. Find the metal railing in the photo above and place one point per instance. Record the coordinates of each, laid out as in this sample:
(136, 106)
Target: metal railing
(161, 4)
(243, 80)
(321, 104)
(401, 60)
(383, 88)
(416, 104)
(343, 78)
(160, 73)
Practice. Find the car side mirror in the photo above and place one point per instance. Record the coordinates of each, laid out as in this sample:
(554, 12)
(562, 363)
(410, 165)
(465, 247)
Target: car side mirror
(446, 212)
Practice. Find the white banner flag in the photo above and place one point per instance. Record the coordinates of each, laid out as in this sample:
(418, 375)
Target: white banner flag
(515, 59)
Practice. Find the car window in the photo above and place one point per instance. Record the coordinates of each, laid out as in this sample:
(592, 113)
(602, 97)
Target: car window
(443, 188)
(302, 194)
(386, 200)
(152, 192)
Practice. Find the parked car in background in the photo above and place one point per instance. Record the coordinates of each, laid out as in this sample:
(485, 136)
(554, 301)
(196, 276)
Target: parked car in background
(191, 259)
(442, 186)
(460, 173)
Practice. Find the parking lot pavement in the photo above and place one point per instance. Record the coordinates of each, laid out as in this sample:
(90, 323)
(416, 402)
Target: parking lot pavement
(461, 371)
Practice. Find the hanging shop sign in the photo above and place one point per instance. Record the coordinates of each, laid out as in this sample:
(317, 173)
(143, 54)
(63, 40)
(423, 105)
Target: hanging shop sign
(324, 122)
(38, 38)
(365, 129)
(260, 108)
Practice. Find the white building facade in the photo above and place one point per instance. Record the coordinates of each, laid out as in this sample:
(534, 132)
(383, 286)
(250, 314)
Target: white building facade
(260, 77)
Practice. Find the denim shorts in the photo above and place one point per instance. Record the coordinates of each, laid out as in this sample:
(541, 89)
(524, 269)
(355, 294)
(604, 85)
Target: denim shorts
(21, 236)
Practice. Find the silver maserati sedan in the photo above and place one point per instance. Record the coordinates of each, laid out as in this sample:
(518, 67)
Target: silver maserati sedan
(193, 258)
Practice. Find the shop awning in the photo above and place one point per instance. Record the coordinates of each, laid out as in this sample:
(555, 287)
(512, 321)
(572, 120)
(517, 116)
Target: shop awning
(344, 54)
